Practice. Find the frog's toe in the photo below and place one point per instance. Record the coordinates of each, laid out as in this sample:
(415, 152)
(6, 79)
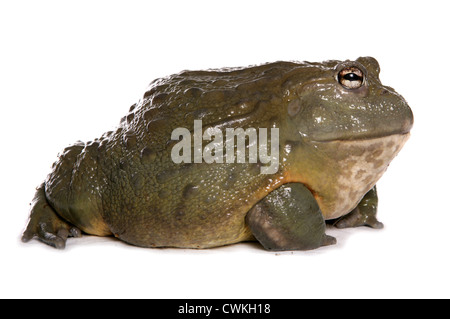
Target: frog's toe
(52, 234)
(329, 240)
(45, 234)
(374, 223)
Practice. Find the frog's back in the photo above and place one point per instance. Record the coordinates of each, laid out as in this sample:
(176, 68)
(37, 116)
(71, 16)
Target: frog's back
(215, 96)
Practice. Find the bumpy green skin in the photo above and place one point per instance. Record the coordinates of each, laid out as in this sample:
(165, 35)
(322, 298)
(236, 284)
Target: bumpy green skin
(125, 183)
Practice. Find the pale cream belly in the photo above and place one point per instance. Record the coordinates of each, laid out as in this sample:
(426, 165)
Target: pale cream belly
(360, 164)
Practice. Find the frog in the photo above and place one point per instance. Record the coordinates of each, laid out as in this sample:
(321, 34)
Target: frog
(338, 129)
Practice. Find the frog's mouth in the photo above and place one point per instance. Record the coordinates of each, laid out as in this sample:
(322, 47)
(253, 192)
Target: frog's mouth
(363, 135)
(359, 165)
(358, 125)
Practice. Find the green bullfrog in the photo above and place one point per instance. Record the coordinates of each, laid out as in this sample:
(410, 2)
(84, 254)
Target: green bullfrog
(266, 153)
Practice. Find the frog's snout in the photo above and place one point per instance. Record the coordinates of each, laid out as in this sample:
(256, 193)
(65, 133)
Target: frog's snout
(408, 119)
(408, 124)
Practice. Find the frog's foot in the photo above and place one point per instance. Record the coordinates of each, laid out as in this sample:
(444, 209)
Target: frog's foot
(365, 214)
(46, 225)
(357, 218)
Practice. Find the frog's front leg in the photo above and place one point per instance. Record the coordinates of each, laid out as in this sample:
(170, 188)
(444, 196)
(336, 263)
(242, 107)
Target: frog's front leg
(289, 218)
(364, 214)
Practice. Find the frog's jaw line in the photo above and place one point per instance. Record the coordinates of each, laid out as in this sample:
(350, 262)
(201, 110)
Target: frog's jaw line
(359, 170)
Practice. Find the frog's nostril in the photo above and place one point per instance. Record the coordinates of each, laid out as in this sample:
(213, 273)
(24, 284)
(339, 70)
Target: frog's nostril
(383, 91)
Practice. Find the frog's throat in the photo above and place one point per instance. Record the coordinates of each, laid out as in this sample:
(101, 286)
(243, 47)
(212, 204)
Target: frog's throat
(359, 165)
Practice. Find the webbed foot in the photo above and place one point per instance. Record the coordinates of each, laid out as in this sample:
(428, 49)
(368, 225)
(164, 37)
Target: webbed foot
(46, 225)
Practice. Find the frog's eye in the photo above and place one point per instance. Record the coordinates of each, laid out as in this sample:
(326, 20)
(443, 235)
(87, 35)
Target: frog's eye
(351, 77)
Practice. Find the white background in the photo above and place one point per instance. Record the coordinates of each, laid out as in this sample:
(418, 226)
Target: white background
(70, 70)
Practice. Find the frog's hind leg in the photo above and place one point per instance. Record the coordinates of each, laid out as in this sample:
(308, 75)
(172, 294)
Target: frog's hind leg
(289, 218)
(46, 225)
